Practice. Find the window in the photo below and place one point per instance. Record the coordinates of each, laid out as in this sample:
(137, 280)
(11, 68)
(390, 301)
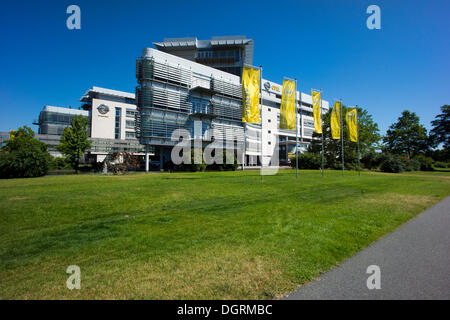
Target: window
(130, 113)
(129, 124)
(270, 132)
(130, 135)
(269, 121)
(117, 123)
(200, 105)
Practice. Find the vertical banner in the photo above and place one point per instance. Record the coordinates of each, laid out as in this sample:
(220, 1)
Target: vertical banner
(335, 121)
(250, 94)
(352, 124)
(316, 99)
(287, 108)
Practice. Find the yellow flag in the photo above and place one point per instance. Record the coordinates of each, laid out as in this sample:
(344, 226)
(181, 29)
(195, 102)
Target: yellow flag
(335, 121)
(317, 110)
(250, 95)
(287, 108)
(352, 124)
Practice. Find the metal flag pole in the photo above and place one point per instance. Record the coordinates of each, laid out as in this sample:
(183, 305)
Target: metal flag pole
(342, 135)
(245, 147)
(296, 130)
(260, 110)
(357, 136)
(321, 124)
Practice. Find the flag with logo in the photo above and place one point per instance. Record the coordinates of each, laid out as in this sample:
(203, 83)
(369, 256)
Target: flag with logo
(316, 110)
(287, 108)
(250, 94)
(352, 124)
(335, 121)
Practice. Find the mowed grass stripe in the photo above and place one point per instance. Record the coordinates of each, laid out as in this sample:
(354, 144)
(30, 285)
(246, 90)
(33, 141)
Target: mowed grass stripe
(291, 229)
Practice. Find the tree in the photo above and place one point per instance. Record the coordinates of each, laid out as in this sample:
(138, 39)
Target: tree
(24, 156)
(369, 138)
(407, 136)
(74, 141)
(441, 128)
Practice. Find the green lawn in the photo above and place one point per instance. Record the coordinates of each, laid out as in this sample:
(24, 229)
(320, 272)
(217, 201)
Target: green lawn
(196, 235)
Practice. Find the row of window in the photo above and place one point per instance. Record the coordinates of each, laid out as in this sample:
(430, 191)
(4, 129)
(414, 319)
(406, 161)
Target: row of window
(208, 54)
(117, 123)
(130, 113)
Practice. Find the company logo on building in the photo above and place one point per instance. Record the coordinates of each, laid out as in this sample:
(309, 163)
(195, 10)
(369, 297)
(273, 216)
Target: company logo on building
(103, 109)
(271, 87)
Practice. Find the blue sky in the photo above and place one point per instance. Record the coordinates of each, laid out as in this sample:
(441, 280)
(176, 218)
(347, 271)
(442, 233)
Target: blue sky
(323, 43)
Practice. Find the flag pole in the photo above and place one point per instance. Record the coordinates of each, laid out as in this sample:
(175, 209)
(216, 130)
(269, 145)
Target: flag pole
(296, 130)
(245, 147)
(260, 110)
(321, 124)
(357, 135)
(342, 136)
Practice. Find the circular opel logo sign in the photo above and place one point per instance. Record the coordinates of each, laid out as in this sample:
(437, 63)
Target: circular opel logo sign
(288, 91)
(103, 109)
(267, 85)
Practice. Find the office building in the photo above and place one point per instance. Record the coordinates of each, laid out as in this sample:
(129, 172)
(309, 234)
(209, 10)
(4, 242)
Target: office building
(174, 93)
(111, 116)
(228, 53)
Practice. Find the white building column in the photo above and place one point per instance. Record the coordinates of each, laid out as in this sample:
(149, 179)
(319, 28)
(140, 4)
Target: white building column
(146, 159)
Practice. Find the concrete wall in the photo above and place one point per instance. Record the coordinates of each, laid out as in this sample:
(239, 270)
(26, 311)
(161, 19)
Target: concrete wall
(103, 125)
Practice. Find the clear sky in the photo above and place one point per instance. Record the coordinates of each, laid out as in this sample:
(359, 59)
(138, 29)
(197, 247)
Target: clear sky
(323, 43)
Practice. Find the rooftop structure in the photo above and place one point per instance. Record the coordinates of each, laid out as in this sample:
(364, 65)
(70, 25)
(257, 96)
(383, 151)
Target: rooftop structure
(226, 53)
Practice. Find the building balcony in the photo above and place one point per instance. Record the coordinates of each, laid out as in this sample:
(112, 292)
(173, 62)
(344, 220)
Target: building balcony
(201, 86)
(203, 111)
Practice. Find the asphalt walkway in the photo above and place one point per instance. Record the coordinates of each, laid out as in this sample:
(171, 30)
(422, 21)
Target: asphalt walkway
(414, 263)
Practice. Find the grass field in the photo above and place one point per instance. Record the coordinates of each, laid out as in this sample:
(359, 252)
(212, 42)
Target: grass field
(195, 235)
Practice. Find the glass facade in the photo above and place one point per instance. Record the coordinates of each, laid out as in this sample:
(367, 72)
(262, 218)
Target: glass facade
(115, 145)
(53, 123)
(167, 100)
(117, 125)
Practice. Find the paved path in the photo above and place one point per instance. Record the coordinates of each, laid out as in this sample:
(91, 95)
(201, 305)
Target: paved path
(414, 261)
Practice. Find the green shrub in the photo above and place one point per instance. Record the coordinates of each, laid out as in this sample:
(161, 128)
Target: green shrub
(391, 163)
(411, 165)
(23, 156)
(426, 163)
(61, 163)
(193, 167)
(441, 164)
(371, 160)
(232, 166)
(224, 166)
(308, 160)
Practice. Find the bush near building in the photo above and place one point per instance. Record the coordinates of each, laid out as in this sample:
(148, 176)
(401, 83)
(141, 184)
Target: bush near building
(193, 167)
(23, 156)
(307, 160)
(224, 166)
(61, 163)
